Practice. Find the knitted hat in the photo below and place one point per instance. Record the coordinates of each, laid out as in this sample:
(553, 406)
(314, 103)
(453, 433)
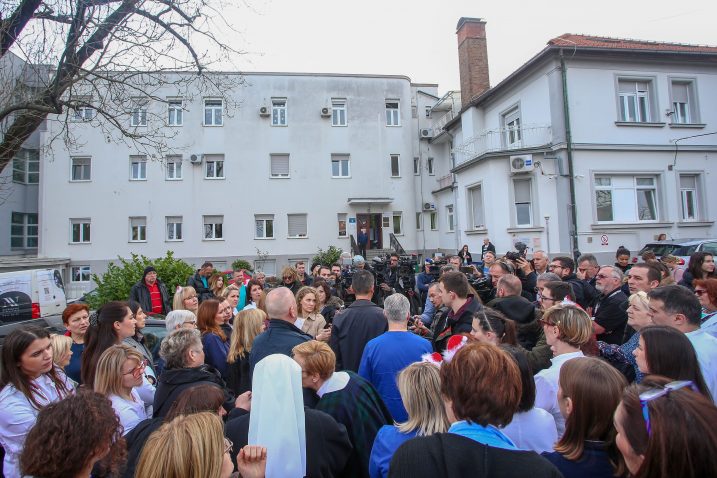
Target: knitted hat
(147, 270)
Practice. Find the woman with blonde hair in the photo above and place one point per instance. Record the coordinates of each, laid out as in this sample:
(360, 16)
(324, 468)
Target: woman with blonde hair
(420, 388)
(567, 328)
(190, 446)
(119, 370)
(185, 298)
(61, 350)
(308, 319)
(290, 279)
(216, 284)
(247, 325)
(231, 295)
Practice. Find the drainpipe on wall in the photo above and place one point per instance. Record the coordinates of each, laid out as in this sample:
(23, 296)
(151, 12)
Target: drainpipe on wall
(569, 146)
(454, 189)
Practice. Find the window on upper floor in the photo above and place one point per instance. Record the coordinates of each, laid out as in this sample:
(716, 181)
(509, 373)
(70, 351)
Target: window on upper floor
(626, 198)
(80, 231)
(636, 100)
(84, 110)
(416, 166)
(213, 228)
(340, 166)
(26, 166)
(395, 166)
(297, 225)
(173, 168)
(684, 102)
(23, 230)
(263, 226)
(175, 112)
(279, 165)
(338, 112)
(81, 169)
(278, 112)
(450, 220)
(690, 197)
(213, 112)
(393, 113)
(138, 229)
(523, 201)
(174, 228)
(138, 115)
(397, 223)
(214, 166)
(433, 219)
(138, 168)
(429, 167)
(419, 220)
(475, 207)
(512, 132)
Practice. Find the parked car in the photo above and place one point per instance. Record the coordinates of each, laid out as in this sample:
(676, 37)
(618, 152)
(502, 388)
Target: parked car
(680, 248)
(85, 298)
(31, 294)
(47, 324)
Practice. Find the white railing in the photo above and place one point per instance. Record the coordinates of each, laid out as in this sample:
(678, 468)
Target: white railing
(445, 181)
(504, 139)
(439, 123)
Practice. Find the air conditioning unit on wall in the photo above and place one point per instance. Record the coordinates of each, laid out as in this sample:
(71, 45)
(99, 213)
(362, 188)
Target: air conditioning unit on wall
(264, 111)
(426, 133)
(521, 163)
(428, 206)
(325, 112)
(196, 158)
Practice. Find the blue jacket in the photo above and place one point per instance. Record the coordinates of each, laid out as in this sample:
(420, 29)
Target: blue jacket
(215, 352)
(423, 280)
(279, 338)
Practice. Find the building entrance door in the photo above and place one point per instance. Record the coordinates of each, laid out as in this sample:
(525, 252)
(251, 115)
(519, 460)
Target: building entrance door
(372, 224)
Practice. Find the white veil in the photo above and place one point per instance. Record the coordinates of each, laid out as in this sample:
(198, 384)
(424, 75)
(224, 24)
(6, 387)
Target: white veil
(277, 416)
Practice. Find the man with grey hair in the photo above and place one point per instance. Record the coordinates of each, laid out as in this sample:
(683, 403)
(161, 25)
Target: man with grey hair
(610, 313)
(357, 324)
(386, 355)
(540, 262)
(282, 335)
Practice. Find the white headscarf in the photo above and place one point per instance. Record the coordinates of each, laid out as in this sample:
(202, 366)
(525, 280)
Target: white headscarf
(277, 416)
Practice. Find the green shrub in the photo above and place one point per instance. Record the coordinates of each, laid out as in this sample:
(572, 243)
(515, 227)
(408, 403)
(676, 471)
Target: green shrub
(242, 264)
(115, 284)
(328, 256)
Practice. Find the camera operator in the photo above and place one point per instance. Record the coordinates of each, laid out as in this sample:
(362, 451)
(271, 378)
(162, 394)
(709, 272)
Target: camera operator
(391, 283)
(425, 279)
(524, 272)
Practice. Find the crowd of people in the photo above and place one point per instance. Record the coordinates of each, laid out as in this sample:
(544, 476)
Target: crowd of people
(545, 367)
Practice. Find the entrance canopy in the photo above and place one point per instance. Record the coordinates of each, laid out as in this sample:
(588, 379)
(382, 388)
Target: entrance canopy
(368, 200)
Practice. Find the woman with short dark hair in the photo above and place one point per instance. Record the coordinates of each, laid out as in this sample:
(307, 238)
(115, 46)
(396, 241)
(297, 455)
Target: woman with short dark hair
(72, 436)
(29, 382)
(481, 388)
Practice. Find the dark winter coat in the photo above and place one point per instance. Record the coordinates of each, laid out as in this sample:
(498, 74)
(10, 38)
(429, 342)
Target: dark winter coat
(140, 294)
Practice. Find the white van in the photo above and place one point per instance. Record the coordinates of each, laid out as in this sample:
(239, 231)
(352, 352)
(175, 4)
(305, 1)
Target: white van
(31, 294)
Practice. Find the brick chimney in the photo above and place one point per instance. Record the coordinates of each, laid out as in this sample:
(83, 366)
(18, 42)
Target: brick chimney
(472, 58)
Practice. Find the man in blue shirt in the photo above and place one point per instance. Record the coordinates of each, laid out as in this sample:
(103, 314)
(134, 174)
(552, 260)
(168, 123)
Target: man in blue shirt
(386, 355)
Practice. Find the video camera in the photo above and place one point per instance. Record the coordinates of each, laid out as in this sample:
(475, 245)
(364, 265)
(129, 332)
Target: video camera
(406, 270)
(522, 252)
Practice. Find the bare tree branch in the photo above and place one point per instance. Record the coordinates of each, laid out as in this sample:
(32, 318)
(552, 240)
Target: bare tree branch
(10, 29)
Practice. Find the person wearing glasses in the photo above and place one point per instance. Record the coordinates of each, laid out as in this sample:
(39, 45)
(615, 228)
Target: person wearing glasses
(567, 328)
(584, 293)
(677, 307)
(120, 370)
(610, 312)
(656, 415)
(706, 292)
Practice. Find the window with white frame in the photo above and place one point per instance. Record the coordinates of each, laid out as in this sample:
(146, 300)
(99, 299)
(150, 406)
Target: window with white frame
(81, 169)
(450, 219)
(416, 166)
(213, 112)
(279, 166)
(635, 98)
(626, 198)
(475, 207)
(522, 191)
(278, 112)
(297, 225)
(138, 115)
(213, 226)
(84, 110)
(688, 197)
(26, 166)
(512, 133)
(419, 220)
(385, 221)
(433, 219)
(175, 112)
(340, 166)
(395, 165)
(138, 168)
(80, 274)
(342, 224)
(398, 223)
(174, 228)
(138, 229)
(338, 112)
(429, 167)
(80, 231)
(684, 104)
(173, 168)
(267, 266)
(23, 230)
(393, 115)
(264, 226)
(213, 166)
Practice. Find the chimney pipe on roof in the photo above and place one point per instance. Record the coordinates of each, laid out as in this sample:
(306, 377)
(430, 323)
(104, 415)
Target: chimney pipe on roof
(472, 58)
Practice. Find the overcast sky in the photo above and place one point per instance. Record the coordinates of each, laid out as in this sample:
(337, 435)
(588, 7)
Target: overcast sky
(417, 38)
